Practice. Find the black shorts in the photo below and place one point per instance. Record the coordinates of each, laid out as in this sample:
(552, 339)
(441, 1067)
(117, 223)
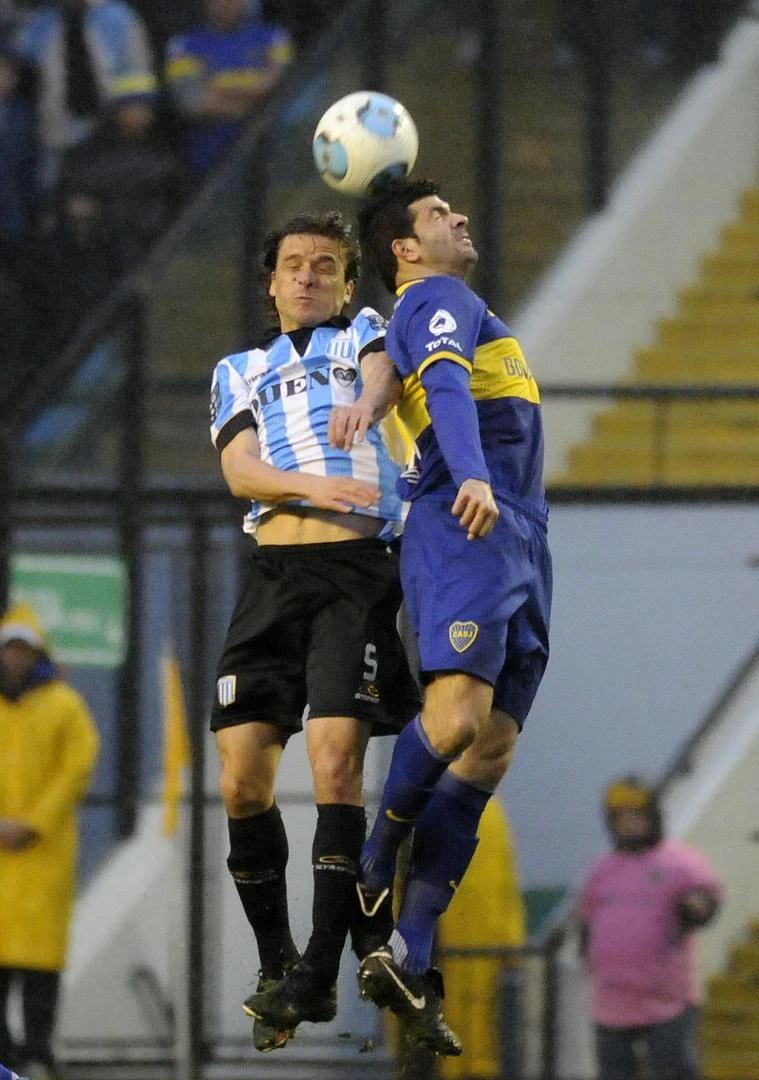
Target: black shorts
(316, 625)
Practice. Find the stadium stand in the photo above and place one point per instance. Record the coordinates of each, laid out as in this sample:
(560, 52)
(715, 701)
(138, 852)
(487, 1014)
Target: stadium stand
(712, 340)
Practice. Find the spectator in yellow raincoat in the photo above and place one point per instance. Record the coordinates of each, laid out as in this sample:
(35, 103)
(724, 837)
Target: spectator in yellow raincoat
(486, 912)
(48, 748)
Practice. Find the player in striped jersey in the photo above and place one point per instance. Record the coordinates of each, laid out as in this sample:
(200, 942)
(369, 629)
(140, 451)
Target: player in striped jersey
(316, 620)
(476, 576)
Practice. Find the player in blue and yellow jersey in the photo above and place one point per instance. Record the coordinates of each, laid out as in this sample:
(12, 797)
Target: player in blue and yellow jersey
(315, 624)
(217, 73)
(476, 576)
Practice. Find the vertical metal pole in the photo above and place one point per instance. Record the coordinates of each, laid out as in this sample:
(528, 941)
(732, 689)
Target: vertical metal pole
(373, 66)
(253, 320)
(371, 292)
(127, 783)
(198, 714)
(595, 63)
(490, 142)
(550, 1009)
(6, 514)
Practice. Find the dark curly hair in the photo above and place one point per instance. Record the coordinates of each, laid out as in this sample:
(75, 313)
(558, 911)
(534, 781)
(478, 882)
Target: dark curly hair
(384, 216)
(332, 225)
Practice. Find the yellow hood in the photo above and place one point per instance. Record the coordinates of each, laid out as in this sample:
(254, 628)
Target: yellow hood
(21, 623)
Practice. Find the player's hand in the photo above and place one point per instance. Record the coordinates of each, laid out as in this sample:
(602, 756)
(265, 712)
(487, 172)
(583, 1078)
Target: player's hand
(15, 836)
(348, 424)
(476, 509)
(340, 493)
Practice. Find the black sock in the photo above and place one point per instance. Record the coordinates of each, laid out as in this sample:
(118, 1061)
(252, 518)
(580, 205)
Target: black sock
(340, 831)
(258, 853)
(40, 1002)
(368, 934)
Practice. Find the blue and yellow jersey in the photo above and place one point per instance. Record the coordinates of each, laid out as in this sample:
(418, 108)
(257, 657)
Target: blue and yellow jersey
(237, 60)
(440, 320)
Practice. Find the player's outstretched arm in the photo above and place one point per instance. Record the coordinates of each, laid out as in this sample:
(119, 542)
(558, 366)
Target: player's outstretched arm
(250, 478)
(348, 424)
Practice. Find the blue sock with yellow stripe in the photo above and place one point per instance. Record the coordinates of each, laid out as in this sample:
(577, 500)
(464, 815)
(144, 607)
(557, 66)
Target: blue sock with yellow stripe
(415, 769)
(445, 840)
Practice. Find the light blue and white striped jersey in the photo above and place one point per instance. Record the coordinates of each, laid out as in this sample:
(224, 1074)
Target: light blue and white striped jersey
(287, 396)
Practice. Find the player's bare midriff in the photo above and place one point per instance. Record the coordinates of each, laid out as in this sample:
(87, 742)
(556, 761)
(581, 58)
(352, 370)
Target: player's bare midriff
(306, 526)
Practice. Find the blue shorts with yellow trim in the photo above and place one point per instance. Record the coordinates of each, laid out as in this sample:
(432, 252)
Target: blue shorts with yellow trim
(479, 606)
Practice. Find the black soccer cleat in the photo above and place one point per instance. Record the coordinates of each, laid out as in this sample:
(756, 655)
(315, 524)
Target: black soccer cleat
(296, 998)
(268, 1037)
(411, 995)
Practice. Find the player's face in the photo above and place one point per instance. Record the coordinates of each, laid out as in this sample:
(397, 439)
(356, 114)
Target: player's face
(308, 285)
(441, 242)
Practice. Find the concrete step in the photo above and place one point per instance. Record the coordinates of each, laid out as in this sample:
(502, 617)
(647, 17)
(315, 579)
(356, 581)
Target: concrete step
(731, 1065)
(681, 443)
(734, 995)
(721, 266)
(699, 363)
(711, 327)
(723, 1031)
(700, 302)
(680, 417)
(749, 204)
(744, 961)
(613, 465)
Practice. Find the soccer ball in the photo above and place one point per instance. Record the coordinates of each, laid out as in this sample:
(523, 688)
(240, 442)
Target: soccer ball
(361, 139)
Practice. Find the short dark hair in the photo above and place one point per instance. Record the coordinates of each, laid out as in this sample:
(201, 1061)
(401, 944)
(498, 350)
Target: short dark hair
(384, 216)
(332, 225)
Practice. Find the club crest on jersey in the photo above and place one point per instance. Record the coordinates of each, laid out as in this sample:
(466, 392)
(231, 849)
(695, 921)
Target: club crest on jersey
(340, 347)
(442, 322)
(345, 376)
(462, 635)
(375, 320)
(226, 690)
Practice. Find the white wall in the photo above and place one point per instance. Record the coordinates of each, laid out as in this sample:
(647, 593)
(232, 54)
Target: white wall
(598, 303)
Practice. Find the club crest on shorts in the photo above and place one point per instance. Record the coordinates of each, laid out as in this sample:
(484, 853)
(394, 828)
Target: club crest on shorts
(462, 635)
(226, 689)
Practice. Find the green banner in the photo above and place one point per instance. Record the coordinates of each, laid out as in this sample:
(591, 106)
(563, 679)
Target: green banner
(80, 600)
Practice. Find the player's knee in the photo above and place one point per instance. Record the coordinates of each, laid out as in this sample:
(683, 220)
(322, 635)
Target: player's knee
(487, 760)
(337, 776)
(244, 796)
(453, 734)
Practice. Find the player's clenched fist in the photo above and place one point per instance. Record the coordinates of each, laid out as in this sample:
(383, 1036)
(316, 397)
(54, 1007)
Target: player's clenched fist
(475, 508)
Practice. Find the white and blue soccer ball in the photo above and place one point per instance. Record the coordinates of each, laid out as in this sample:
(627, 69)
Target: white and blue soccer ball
(363, 138)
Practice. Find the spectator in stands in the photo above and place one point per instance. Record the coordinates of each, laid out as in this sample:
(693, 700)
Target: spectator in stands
(17, 207)
(49, 746)
(304, 20)
(18, 155)
(84, 50)
(218, 73)
(129, 167)
(639, 908)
